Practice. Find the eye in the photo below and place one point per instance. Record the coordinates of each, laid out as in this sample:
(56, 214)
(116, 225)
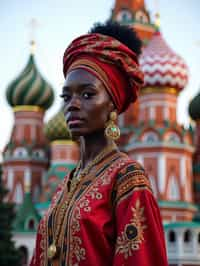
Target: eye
(88, 95)
(66, 97)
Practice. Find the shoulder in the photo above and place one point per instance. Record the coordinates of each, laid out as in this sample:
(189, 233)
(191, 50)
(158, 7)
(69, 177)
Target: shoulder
(130, 167)
(125, 166)
(130, 178)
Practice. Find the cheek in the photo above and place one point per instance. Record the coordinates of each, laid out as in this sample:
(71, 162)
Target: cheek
(100, 114)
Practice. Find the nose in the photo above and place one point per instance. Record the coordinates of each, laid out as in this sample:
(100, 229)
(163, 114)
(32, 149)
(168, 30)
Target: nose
(73, 105)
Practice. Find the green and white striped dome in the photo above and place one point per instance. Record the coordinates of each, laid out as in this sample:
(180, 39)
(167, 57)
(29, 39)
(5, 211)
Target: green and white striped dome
(29, 88)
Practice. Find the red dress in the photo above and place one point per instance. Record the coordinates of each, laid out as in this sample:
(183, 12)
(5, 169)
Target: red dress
(112, 220)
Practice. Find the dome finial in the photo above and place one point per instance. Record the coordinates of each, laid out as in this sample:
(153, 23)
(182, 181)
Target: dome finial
(33, 46)
(157, 15)
(33, 25)
(157, 21)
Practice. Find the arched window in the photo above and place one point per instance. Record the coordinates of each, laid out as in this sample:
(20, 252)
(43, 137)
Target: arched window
(31, 224)
(173, 137)
(20, 152)
(124, 16)
(150, 137)
(18, 196)
(187, 236)
(141, 17)
(173, 189)
(39, 154)
(171, 236)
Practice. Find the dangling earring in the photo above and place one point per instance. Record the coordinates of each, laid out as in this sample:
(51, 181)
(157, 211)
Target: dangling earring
(112, 131)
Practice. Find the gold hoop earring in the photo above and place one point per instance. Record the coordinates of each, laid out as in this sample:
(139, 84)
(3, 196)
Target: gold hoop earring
(112, 131)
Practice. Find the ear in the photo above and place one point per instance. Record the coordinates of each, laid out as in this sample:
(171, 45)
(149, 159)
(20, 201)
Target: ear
(111, 107)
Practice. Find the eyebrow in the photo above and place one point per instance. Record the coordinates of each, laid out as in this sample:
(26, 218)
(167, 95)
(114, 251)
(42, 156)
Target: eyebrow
(82, 86)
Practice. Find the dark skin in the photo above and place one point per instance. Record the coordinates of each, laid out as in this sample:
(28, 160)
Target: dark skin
(87, 106)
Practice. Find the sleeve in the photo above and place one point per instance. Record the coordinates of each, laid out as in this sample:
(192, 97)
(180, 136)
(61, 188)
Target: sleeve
(140, 238)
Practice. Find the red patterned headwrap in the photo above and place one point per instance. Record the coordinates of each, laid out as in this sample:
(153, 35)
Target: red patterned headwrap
(111, 62)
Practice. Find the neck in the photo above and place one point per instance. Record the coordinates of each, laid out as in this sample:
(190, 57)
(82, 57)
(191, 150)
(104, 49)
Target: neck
(91, 146)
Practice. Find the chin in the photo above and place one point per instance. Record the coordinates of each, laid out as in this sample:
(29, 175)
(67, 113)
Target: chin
(77, 133)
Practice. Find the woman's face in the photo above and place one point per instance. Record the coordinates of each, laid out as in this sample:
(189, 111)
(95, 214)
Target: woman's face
(86, 103)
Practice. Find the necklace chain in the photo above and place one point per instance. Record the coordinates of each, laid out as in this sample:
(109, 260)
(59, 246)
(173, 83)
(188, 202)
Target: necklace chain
(80, 174)
(77, 178)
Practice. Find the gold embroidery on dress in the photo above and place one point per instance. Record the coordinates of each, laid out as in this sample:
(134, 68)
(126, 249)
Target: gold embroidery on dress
(42, 229)
(133, 235)
(132, 182)
(77, 251)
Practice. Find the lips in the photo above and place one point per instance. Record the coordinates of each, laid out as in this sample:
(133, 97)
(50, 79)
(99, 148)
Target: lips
(74, 121)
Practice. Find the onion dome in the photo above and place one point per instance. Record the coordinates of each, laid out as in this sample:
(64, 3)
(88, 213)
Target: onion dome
(194, 109)
(162, 66)
(56, 128)
(29, 88)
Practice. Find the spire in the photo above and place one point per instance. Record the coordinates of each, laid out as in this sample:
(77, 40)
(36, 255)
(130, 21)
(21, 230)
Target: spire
(135, 14)
(132, 10)
(27, 218)
(131, 5)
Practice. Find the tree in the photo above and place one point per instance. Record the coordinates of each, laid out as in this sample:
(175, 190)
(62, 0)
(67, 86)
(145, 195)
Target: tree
(9, 255)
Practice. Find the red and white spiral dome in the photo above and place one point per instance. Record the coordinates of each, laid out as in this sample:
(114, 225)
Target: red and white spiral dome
(162, 67)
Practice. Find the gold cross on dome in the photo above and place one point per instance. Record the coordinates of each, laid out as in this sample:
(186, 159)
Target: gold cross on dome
(33, 25)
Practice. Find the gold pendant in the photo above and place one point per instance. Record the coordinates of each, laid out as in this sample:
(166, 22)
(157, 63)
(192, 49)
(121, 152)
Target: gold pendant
(112, 131)
(52, 250)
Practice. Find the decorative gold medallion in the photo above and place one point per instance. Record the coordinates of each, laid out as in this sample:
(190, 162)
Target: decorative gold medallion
(132, 237)
(52, 251)
(112, 131)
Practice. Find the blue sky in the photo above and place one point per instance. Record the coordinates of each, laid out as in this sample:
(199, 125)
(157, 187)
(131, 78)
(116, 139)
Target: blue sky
(60, 21)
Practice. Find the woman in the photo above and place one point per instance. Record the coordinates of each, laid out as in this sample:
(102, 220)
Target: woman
(104, 212)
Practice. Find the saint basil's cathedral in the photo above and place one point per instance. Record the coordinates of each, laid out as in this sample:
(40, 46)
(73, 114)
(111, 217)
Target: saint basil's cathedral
(38, 155)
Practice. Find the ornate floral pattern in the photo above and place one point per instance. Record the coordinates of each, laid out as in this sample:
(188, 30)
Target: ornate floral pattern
(133, 235)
